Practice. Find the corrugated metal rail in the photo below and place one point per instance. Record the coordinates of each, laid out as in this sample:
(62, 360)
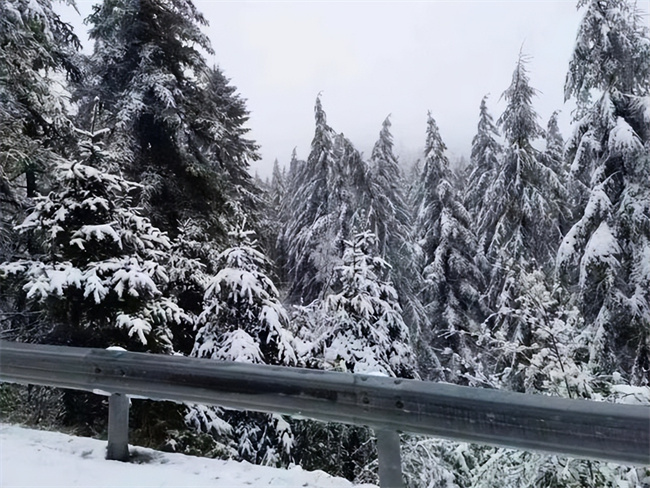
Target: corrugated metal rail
(578, 428)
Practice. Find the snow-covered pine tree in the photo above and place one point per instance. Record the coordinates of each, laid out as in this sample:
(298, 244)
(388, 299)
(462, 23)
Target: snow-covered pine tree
(270, 223)
(190, 266)
(519, 217)
(604, 257)
(219, 115)
(178, 124)
(359, 329)
(243, 320)
(388, 213)
(323, 203)
(451, 279)
(278, 186)
(389, 218)
(101, 265)
(554, 151)
(483, 161)
(425, 196)
(554, 158)
(348, 203)
(9, 205)
(37, 51)
(519, 225)
(307, 203)
(365, 332)
(280, 256)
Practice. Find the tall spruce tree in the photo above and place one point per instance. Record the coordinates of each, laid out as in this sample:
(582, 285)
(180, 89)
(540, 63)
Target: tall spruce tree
(519, 224)
(308, 204)
(426, 198)
(554, 151)
(37, 54)
(554, 157)
(484, 159)
(178, 123)
(426, 209)
(389, 218)
(325, 199)
(604, 257)
(388, 213)
(271, 224)
(452, 280)
(520, 215)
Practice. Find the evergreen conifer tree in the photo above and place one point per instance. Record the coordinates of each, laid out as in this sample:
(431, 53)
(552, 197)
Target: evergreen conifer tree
(35, 46)
(484, 160)
(389, 219)
(278, 187)
(604, 257)
(99, 274)
(519, 224)
(308, 205)
(426, 199)
(326, 198)
(364, 330)
(358, 328)
(178, 124)
(388, 213)
(554, 145)
(243, 320)
(452, 280)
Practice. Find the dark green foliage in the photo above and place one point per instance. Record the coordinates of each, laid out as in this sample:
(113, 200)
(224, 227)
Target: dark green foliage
(36, 47)
(31, 405)
(244, 321)
(35, 44)
(341, 450)
(96, 278)
(179, 125)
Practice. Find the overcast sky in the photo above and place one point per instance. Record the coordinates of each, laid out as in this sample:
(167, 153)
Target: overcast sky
(370, 59)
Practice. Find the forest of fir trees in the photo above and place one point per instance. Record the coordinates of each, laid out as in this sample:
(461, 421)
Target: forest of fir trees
(128, 217)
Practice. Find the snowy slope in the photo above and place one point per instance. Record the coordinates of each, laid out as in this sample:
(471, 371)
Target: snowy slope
(32, 458)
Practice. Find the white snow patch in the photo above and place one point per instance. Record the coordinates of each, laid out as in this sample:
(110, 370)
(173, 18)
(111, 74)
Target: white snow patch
(623, 139)
(31, 458)
(633, 395)
(602, 248)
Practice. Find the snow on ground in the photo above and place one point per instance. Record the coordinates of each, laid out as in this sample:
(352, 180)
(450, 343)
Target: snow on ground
(34, 458)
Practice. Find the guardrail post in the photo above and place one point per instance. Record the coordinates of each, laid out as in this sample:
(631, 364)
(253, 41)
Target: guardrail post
(118, 427)
(390, 461)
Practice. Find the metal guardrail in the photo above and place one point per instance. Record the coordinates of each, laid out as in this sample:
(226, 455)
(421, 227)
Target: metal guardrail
(578, 428)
